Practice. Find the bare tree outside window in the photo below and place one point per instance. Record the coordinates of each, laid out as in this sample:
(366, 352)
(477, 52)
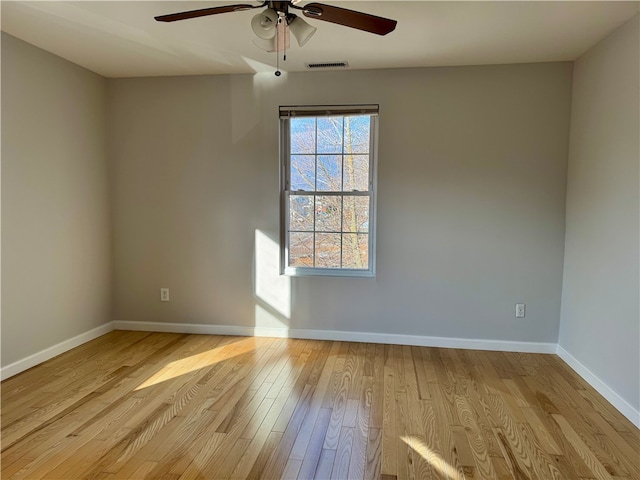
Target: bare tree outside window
(328, 172)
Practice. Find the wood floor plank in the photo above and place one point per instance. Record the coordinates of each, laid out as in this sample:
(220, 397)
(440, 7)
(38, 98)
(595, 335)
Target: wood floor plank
(475, 438)
(389, 436)
(168, 406)
(511, 439)
(597, 469)
(306, 429)
(446, 388)
(343, 455)
(445, 435)
(260, 437)
(374, 453)
(358, 459)
(273, 440)
(535, 419)
(597, 422)
(279, 459)
(630, 465)
(337, 413)
(194, 469)
(312, 454)
(546, 409)
(607, 411)
(431, 449)
(325, 465)
(405, 453)
(377, 392)
(514, 463)
(543, 464)
(291, 470)
(355, 366)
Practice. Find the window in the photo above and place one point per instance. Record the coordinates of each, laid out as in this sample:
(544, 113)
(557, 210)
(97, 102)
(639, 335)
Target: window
(328, 179)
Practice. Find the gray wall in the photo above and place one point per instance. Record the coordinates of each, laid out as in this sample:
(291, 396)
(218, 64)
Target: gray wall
(56, 253)
(471, 192)
(600, 323)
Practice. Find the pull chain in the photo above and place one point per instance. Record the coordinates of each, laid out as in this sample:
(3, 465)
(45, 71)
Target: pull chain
(284, 44)
(278, 72)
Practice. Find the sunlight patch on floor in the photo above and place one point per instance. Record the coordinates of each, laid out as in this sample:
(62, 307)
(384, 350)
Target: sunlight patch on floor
(433, 459)
(200, 360)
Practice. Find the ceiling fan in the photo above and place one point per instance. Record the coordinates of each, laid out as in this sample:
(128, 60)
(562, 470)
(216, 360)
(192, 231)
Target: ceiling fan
(272, 26)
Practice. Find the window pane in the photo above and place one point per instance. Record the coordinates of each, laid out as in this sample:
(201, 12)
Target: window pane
(329, 168)
(328, 213)
(303, 135)
(301, 213)
(356, 134)
(330, 134)
(328, 250)
(355, 251)
(355, 216)
(301, 249)
(356, 173)
(303, 172)
(329, 173)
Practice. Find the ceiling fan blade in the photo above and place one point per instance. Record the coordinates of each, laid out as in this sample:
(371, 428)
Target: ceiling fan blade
(172, 17)
(349, 18)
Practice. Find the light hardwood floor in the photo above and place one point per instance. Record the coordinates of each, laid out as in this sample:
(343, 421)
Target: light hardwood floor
(138, 405)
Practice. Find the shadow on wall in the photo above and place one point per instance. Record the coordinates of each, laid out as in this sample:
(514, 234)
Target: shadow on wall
(272, 291)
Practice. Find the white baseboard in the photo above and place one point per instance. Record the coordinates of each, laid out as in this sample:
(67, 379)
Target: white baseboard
(343, 336)
(602, 388)
(54, 351)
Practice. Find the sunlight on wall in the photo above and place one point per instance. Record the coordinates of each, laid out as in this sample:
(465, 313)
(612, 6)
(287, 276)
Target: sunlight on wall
(269, 325)
(265, 73)
(259, 67)
(432, 458)
(271, 287)
(200, 360)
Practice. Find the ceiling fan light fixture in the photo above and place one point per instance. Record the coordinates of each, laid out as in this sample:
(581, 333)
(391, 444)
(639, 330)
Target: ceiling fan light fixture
(266, 45)
(277, 43)
(301, 30)
(264, 24)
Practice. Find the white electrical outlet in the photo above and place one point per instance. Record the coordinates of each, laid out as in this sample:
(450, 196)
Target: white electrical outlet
(164, 294)
(520, 309)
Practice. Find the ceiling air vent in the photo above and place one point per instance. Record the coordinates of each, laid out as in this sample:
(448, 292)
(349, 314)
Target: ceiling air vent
(315, 66)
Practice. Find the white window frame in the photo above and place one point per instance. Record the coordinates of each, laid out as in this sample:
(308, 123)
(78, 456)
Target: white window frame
(288, 112)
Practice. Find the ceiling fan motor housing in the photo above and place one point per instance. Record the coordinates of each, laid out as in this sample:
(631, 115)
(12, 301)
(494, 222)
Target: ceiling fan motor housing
(280, 7)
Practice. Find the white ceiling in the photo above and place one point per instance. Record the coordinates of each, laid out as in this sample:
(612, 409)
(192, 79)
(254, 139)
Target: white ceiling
(121, 38)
